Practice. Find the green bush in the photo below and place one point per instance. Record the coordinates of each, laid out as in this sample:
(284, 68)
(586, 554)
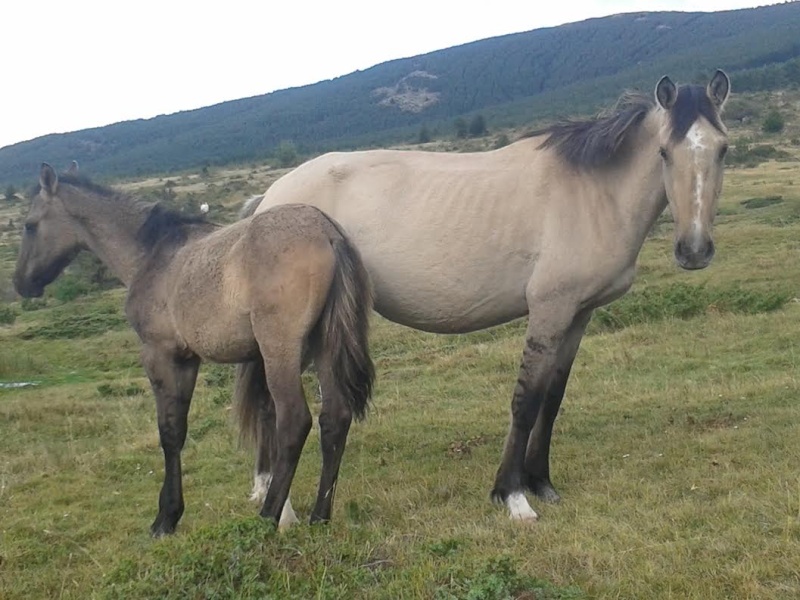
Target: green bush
(477, 126)
(773, 122)
(68, 287)
(7, 315)
(286, 154)
(31, 304)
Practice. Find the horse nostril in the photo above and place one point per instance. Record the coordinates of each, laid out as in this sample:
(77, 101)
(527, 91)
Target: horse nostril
(709, 252)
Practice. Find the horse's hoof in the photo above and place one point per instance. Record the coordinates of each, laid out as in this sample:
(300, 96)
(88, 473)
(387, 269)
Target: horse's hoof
(317, 520)
(519, 509)
(159, 529)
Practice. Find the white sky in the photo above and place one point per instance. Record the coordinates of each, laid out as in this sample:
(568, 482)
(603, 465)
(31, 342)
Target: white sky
(73, 64)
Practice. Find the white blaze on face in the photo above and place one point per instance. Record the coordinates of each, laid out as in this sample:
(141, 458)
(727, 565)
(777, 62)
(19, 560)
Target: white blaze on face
(519, 509)
(694, 138)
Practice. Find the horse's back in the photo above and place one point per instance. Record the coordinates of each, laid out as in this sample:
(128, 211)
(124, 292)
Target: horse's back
(446, 237)
(279, 262)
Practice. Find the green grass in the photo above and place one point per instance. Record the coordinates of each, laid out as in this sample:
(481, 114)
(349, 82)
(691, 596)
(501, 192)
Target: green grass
(676, 452)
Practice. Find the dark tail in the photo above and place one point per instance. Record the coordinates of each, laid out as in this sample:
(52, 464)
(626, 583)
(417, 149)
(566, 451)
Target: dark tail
(250, 205)
(342, 333)
(249, 394)
(250, 381)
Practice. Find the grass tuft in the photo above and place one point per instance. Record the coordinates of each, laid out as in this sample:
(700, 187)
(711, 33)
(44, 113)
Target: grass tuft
(684, 301)
(71, 325)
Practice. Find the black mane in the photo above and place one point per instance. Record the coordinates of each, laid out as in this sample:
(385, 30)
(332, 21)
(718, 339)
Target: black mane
(598, 142)
(166, 226)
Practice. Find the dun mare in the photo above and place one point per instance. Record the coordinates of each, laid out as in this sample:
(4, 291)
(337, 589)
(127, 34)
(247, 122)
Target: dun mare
(275, 291)
(549, 226)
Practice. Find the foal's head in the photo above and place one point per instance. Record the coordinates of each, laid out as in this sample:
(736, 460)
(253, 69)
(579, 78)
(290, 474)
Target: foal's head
(693, 143)
(49, 240)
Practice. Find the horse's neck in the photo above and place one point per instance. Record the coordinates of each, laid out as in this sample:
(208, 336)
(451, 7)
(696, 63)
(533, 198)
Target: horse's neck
(108, 229)
(638, 185)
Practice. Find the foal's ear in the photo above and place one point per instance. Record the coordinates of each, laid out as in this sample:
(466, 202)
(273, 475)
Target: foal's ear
(48, 180)
(719, 88)
(73, 168)
(666, 93)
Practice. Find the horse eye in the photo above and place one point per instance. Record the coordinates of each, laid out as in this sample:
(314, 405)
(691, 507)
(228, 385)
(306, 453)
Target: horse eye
(663, 153)
(30, 228)
(723, 151)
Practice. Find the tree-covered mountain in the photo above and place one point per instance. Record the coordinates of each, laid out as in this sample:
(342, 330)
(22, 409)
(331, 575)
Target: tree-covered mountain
(512, 80)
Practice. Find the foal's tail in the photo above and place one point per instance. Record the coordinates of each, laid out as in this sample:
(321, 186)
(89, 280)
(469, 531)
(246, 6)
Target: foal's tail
(341, 334)
(249, 394)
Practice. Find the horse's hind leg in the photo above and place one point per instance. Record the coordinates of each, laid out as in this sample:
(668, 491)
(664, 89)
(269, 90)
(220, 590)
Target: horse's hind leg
(334, 425)
(266, 454)
(547, 325)
(292, 422)
(173, 382)
(537, 457)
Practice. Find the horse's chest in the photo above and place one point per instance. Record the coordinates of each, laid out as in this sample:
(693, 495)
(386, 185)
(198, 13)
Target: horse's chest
(616, 286)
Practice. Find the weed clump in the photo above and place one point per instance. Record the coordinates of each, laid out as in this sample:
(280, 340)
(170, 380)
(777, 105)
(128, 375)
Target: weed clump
(68, 325)
(762, 202)
(7, 315)
(683, 301)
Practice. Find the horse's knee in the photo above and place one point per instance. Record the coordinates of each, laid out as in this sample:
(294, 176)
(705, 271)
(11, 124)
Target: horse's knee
(334, 422)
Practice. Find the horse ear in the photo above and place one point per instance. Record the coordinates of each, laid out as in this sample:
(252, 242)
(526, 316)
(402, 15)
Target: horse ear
(48, 180)
(73, 168)
(719, 88)
(666, 93)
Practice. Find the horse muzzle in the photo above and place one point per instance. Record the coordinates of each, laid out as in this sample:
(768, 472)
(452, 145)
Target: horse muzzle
(27, 288)
(694, 255)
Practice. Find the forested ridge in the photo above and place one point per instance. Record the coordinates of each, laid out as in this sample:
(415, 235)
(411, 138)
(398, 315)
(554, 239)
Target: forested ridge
(511, 80)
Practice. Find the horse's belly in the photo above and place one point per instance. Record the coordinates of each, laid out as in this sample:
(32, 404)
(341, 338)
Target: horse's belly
(220, 338)
(444, 302)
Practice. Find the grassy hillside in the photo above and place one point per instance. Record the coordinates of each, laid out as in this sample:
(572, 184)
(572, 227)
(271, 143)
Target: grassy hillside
(513, 79)
(676, 450)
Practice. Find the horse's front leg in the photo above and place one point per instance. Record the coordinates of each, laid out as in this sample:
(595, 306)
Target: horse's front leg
(172, 380)
(548, 324)
(537, 457)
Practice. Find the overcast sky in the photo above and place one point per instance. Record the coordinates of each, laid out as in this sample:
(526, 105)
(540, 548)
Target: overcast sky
(74, 64)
